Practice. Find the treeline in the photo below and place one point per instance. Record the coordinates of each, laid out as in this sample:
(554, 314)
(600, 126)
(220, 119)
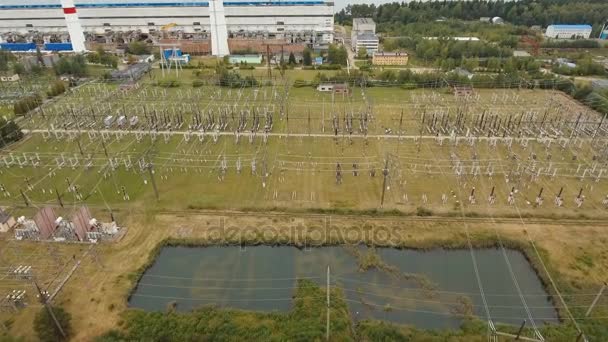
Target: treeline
(502, 35)
(584, 67)
(570, 44)
(524, 12)
(497, 65)
(432, 49)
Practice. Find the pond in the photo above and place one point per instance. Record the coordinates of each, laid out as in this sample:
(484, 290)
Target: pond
(427, 289)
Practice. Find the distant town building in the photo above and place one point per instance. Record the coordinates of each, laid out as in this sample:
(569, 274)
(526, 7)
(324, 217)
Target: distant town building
(363, 34)
(335, 88)
(249, 59)
(568, 31)
(390, 58)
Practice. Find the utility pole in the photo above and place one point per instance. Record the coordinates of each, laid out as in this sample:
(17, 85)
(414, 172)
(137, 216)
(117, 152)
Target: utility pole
(385, 174)
(597, 298)
(153, 180)
(80, 147)
(27, 203)
(58, 197)
(328, 305)
(44, 301)
(104, 147)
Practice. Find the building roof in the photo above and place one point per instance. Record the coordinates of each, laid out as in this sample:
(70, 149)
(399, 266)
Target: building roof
(390, 54)
(363, 21)
(563, 26)
(367, 36)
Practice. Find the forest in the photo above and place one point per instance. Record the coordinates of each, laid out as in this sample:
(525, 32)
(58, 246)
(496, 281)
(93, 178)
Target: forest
(525, 12)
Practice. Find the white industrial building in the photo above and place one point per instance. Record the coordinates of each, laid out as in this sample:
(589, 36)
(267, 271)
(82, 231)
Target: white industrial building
(270, 19)
(363, 34)
(568, 31)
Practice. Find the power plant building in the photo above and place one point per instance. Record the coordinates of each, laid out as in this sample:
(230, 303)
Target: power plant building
(274, 19)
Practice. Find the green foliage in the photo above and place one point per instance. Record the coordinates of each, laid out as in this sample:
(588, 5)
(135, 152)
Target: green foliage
(138, 48)
(571, 44)
(245, 66)
(337, 54)
(432, 49)
(306, 322)
(167, 83)
(198, 83)
(26, 104)
(292, 59)
(524, 12)
(45, 327)
(102, 57)
(421, 211)
(362, 53)
(71, 65)
(9, 132)
(57, 88)
(5, 57)
(307, 57)
(18, 68)
(584, 67)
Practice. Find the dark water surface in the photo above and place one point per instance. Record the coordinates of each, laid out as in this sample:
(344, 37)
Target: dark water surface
(429, 291)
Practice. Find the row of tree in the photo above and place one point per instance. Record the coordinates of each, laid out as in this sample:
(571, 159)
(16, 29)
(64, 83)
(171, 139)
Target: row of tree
(524, 12)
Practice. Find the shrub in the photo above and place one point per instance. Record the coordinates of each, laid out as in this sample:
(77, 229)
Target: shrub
(46, 329)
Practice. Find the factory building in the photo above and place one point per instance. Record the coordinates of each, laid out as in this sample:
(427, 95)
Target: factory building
(568, 31)
(363, 34)
(273, 19)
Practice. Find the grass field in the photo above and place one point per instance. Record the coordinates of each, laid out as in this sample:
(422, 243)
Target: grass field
(199, 184)
(295, 166)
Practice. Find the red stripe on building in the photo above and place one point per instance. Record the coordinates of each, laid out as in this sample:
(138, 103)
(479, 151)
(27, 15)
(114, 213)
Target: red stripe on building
(69, 10)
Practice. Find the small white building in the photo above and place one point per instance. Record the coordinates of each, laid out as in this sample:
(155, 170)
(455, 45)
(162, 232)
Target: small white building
(13, 78)
(568, 31)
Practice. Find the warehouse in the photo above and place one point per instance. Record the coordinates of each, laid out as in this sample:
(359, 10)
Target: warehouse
(568, 31)
(266, 19)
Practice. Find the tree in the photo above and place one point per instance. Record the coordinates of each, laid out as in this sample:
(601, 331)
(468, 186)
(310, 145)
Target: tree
(18, 68)
(9, 132)
(45, 327)
(138, 48)
(71, 65)
(5, 57)
(362, 53)
(292, 58)
(307, 56)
